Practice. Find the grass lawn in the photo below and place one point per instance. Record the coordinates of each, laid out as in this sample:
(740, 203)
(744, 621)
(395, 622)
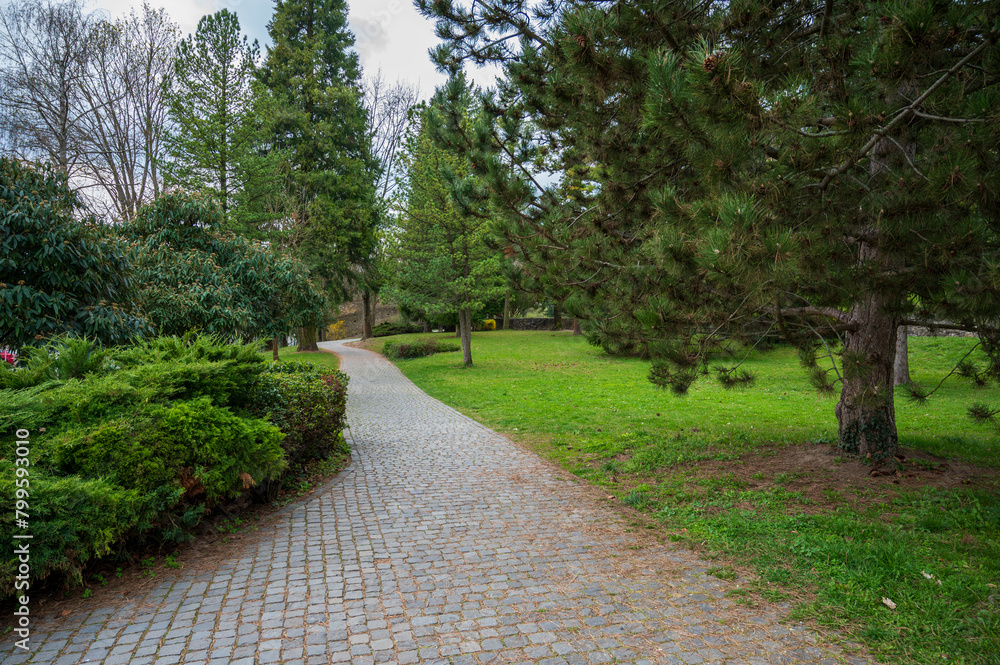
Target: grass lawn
(750, 477)
(318, 358)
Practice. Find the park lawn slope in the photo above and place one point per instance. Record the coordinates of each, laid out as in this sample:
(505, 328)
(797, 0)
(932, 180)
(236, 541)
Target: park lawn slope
(752, 477)
(325, 360)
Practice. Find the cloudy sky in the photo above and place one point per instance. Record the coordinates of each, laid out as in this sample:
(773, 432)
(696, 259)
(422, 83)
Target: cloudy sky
(391, 34)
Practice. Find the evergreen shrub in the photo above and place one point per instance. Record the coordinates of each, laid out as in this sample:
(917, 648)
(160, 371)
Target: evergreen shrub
(417, 349)
(395, 328)
(307, 404)
(134, 446)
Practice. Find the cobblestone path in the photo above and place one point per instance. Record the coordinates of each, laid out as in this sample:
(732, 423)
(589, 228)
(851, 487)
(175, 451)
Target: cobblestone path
(442, 543)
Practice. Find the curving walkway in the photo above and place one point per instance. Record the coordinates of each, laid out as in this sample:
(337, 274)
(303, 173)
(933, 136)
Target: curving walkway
(442, 542)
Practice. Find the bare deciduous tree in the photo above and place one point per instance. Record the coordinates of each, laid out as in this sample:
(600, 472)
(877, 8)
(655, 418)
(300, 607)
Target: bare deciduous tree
(388, 106)
(43, 63)
(87, 94)
(129, 69)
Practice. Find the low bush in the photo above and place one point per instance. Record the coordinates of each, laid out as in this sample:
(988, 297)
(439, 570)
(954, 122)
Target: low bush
(489, 324)
(395, 328)
(135, 446)
(307, 404)
(417, 349)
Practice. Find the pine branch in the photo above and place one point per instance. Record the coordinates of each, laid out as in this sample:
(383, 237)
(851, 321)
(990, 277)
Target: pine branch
(829, 312)
(902, 115)
(928, 116)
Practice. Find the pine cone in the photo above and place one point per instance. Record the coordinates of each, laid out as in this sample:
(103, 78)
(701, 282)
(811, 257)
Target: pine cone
(712, 61)
(581, 40)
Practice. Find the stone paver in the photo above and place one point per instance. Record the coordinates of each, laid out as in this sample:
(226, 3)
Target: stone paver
(442, 543)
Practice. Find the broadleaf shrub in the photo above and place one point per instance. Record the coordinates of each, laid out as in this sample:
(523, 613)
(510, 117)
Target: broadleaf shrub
(307, 404)
(417, 349)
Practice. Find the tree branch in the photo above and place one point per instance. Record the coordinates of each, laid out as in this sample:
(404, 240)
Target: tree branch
(903, 114)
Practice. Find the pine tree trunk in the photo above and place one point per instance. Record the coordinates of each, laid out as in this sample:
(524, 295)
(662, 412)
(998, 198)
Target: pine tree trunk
(506, 310)
(901, 373)
(274, 348)
(307, 339)
(576, 327)
(557, 316)
(866, 412)
(465, 331)
(368, 316)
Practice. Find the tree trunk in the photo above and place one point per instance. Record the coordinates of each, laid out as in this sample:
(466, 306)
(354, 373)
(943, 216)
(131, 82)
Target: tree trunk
(274, 348)
(368, 308)
(427, 326)
(557, 316)
(866, 412)
(901, 372)
(465, 331)
(458, 327)
(576, 327)
(506, 310)
(307, 339)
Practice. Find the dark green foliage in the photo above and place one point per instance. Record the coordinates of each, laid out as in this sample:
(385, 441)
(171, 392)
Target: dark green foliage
(394, 328)
(417, 348)
(196, 277)
(441, 260)
(307, 404)
(313, 75)
(139, 444)
(73, 521)
(208, 451)
(58, 274)
(194, 366)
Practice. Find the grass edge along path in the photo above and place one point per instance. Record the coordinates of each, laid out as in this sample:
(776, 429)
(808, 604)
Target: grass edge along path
(750, 478)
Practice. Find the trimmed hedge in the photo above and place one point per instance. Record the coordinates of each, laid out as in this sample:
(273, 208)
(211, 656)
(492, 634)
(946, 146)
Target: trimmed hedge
(417, 349)
(308, 405)
(133, 447)
(394, 328)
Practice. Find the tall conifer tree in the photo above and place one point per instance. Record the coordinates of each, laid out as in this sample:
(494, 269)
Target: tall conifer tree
(440, 261)
(210, 100)
(315, 77)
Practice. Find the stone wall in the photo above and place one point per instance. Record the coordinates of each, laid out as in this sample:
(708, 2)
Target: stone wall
(352, 314)
(918, 331)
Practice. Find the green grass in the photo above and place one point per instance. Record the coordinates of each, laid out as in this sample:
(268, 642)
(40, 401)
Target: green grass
(835, 552)
(320, 358)
(579, 394)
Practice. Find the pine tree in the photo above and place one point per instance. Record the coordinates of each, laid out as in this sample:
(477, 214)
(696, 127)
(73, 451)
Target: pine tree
(314, 76)
(826, 171)
(440, 263)
(211, 103)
